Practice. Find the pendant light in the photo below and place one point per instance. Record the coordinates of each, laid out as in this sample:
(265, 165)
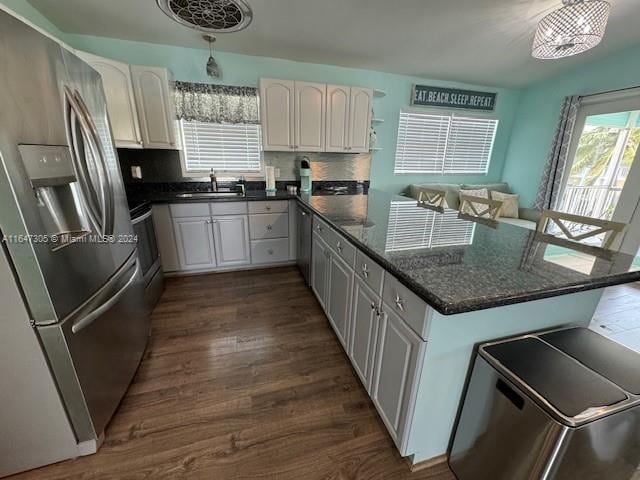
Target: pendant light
(576, 27)
(212, 66)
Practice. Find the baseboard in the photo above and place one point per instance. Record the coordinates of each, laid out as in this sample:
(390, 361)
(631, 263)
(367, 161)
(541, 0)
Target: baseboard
(239, 268)
(429, 463)
(89, 447)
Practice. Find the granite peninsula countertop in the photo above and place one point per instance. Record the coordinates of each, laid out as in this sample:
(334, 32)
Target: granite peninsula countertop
(456, 265)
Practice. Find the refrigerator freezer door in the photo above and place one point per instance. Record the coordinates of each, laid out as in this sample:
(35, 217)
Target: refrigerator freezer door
(51, 97)
(95, 352)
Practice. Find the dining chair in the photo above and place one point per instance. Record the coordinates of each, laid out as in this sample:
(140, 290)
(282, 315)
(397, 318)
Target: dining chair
(573, 226)
(432, 198)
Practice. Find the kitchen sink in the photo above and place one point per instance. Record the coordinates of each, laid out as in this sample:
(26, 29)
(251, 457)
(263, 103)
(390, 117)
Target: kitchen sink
(210, 195)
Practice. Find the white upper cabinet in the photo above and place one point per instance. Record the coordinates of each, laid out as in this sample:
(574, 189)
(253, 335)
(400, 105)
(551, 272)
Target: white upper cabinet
(121, 103)
(337, 133)
(359, 119)
(310, 116)
(155, 108)
(277, 98)
(314, 117)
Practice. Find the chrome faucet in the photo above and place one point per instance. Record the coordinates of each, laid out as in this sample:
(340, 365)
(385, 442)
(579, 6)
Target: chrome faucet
(214, 181)
(241, 185)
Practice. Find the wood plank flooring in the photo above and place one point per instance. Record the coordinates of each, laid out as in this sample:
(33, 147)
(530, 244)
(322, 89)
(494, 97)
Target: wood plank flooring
(243, 378)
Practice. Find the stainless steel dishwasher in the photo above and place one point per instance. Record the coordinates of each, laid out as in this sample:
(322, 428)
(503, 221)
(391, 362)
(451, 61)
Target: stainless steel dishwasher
(305, 219)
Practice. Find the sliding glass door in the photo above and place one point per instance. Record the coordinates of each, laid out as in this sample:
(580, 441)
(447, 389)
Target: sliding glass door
(602, 179)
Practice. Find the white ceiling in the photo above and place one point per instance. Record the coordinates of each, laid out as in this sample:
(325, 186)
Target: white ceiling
(477, 41)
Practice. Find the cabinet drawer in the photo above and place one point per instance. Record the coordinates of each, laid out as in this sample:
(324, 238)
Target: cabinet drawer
(269, 251)
(228, 208)
(189, 210)
(370, 272)
(273, 206)
(322, 229)
(272, 225)
(342, 247)
(411, 308)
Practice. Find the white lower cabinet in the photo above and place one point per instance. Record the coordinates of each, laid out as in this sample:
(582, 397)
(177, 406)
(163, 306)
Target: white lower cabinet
(231, 240)
(365, 319)
(264, 252)
(320, 258)
(339, 297)
(399, 359)
(194, 241)
(223, 235)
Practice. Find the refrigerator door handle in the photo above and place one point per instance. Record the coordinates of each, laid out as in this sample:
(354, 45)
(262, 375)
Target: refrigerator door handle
(98, 151)
(87, 320)
(88, 193)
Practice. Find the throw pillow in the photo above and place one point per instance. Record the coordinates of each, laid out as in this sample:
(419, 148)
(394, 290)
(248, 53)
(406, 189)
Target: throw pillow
(509, 201)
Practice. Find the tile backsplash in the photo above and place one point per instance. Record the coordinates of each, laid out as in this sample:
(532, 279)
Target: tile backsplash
(164, 165)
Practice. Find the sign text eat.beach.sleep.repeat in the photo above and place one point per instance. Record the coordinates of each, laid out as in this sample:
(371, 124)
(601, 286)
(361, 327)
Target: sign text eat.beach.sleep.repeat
(453, 98)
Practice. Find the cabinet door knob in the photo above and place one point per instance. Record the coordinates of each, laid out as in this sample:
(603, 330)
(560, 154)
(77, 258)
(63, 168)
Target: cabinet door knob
(270, 251)
(267, 208)
(365, 271)
(339, 246)
(399, 304)
(269, 227)
(373, 306)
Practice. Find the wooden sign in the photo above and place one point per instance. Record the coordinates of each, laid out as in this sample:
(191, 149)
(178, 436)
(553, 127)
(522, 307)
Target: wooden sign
(425, 96)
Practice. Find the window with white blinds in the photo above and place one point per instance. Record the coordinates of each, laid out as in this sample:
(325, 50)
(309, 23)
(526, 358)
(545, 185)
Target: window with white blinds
(220, 146)
(445, 144)
(412, 227)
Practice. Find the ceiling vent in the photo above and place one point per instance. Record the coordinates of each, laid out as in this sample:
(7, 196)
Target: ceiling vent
(213, 16)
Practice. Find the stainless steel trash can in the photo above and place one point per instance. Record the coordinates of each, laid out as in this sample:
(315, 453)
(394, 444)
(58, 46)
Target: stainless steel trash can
(560, 405)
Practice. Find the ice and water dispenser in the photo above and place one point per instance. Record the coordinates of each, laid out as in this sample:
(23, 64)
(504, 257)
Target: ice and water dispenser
(53, 179)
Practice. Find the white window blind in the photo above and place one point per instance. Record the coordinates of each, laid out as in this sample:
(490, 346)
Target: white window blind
(444, 144)
(221, 147)
(412, 227)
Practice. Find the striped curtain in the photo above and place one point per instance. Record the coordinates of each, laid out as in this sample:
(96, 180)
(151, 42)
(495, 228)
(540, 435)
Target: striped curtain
(554, 169)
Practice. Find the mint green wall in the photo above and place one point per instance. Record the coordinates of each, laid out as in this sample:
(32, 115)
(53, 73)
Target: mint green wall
(188, 64)
(24, 9)
(539, 110)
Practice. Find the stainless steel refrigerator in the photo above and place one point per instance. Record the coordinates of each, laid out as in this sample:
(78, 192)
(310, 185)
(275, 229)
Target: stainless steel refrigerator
(68, 240)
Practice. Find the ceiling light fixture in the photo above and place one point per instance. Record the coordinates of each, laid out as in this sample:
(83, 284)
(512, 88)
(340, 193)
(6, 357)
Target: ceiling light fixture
(212, 66)
(576, 27)
(211, 16)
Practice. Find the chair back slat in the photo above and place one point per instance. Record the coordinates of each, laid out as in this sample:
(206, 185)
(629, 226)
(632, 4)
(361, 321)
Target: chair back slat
(431, 197)
(480, 207)
(561, 220)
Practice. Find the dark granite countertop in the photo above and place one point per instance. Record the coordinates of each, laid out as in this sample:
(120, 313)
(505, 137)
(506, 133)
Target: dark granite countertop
(456, 265)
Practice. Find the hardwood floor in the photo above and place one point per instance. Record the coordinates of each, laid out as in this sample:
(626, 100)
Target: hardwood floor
(243, 378)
